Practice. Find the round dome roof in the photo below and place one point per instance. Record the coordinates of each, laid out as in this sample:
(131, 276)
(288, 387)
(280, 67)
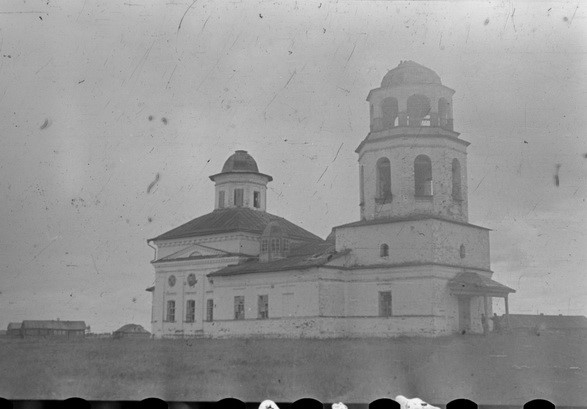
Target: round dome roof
(240, 161)
(409, 72)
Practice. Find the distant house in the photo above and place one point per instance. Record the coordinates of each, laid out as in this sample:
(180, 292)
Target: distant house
(66, 329)
(13, 329)
(131, 331)
(543, 322)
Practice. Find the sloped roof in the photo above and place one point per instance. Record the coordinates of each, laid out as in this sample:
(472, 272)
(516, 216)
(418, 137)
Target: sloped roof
(300, 258)
(235, 219)
(14, 325)
(132, 329)
(469, 283)
(64, 325)
(411, 218)
(549, 321)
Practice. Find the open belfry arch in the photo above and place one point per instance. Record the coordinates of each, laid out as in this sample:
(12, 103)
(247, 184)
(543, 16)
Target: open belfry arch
(412, 264)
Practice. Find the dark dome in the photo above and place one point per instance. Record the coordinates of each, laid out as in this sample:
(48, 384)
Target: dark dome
(240, 161)
(409, 72)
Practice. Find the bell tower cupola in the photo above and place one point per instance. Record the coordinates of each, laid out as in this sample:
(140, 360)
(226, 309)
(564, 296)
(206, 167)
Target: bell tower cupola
(412, 162)
(240, 184)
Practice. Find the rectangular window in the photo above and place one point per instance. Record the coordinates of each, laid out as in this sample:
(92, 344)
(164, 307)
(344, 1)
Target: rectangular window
(170, 311)
(263, 307)
(221, 199)
(238, 197)
(385, 303)
(264, 245)
(239, 307)
(274, 245)
(256, 200)
(190, 314)
(210, 310)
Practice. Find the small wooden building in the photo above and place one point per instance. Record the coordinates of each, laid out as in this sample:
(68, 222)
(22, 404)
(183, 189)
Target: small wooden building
(131, 331)
(13, 329)
(66, 329)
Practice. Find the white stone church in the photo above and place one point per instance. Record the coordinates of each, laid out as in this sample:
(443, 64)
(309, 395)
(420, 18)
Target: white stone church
(412, 265)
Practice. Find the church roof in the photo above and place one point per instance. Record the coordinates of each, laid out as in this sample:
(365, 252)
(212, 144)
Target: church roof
(240, 162)
(473, 283)
(405, 219)
(409, 72)
(236, 219)
(302, 257)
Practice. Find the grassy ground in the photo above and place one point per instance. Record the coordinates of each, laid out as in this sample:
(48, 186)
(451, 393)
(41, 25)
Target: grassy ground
(498, 369)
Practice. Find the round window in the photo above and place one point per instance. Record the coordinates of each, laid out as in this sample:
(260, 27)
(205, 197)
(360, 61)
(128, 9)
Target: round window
(192, 280)
(171, 281)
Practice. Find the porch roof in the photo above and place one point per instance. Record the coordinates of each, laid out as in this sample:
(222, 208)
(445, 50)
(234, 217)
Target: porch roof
(470, 283)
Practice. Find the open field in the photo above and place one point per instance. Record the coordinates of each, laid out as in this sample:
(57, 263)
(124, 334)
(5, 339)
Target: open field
(494, 370)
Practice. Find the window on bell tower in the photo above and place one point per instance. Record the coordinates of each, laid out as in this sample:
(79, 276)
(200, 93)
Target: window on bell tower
(423, 176)
(383, 181)
(389, 112)
(418, 110)
(221, 199)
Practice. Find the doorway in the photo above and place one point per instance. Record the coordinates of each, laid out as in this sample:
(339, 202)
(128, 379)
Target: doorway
(464, 314)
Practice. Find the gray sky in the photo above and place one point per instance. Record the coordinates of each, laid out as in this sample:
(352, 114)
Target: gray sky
(286, 81)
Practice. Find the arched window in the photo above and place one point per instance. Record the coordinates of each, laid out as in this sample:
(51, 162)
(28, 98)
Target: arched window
(443, 112)
(384, 250)
(383, 181)
(423, 176)
(418, 109)
(456, 180)
(389, 112)
(462, 251)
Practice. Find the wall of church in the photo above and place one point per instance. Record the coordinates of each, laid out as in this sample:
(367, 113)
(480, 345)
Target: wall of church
(290, 294)
(402, 152)
(328, 327)
(419, 241)
(180, 293)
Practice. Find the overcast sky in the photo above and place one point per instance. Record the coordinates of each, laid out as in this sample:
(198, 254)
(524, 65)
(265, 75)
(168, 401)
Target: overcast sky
(98, 97)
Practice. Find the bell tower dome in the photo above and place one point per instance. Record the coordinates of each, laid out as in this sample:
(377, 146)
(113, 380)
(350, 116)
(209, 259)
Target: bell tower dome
(240, 184)
(412, 162)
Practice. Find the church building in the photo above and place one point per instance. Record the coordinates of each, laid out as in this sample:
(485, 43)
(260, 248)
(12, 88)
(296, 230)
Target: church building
(412, 265)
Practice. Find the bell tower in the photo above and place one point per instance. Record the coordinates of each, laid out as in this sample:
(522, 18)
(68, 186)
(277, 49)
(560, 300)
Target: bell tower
(412, 162)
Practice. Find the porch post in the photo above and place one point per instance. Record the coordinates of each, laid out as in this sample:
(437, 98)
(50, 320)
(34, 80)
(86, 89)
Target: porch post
(507, 312)
(486, 323)
(485, 305)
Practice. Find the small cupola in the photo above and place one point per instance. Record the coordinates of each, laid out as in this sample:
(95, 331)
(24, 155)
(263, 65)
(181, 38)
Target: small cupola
(411, 95)
(274, 242)
(240, 184)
